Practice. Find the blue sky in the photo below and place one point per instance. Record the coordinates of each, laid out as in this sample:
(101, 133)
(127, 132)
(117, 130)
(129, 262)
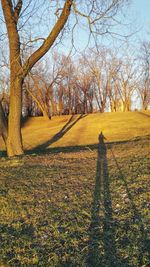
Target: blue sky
(138, 18)
(140, 9)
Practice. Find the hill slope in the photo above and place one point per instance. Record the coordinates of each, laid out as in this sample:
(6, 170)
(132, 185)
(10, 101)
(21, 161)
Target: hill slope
(83, 130)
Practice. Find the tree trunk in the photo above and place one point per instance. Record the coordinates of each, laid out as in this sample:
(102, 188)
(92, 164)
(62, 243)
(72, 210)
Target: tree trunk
(3, 125)
(42, 109)
(19, 72)
(45, 114)
(103, 104)
(145, 107)
(14, 141)
(91, 107)
(145, 101)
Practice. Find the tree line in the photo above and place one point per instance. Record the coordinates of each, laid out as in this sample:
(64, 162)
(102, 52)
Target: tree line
(97, 81)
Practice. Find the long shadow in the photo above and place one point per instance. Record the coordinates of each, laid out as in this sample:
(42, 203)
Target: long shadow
(94, 253)
(71, 122)
(110, 252)
(143, 114)
(102, 247)
(68, 149)
(143, 242)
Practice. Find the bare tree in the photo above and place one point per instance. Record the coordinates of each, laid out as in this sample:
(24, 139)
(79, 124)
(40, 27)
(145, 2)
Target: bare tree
(18, 71)
(144, 82)
(113, 74)
(99, 15)
(98, 62)
(84, 85)
(127, 82)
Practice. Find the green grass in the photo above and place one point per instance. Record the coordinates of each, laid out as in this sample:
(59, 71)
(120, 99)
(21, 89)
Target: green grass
(62, 209)
(84, 205)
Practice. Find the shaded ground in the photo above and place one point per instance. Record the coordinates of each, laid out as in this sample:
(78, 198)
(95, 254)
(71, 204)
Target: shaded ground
(87, 207)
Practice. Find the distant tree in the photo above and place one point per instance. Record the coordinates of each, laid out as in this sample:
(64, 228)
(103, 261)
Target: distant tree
(85, 86)
(113, 93)
(127, 82)
(4, 95)
(101, 69)
(144, 80)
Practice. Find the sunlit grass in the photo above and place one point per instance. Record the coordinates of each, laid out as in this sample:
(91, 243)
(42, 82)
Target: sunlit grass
(115, 126)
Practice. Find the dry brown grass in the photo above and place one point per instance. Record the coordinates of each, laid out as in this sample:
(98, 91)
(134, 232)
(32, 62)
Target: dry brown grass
(38, 132)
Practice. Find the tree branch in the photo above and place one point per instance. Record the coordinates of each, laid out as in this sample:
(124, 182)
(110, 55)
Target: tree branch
(39, 53)
(17, 9)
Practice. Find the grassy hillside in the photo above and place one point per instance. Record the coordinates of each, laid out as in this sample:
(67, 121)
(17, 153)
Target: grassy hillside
(81, 130)
(78, 130)
(82, 206)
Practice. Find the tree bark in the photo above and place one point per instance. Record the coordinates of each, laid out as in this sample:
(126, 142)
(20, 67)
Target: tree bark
(3, 124)
(14, 140)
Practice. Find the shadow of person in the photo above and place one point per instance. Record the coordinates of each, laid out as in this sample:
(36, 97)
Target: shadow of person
(102, 248)
(95, 239)
(110, 253)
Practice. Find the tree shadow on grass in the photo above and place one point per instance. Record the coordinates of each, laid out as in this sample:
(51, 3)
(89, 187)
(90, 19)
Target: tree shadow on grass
(71, 122)
(102, 247)
(144, 114)
(77, 148)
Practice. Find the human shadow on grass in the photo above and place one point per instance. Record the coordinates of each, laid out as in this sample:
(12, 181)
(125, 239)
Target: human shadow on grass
(102, 247)
(143, 241)
(71, 122)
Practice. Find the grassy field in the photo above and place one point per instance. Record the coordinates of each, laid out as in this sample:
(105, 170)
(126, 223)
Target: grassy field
(78, 198)
(66, 131)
